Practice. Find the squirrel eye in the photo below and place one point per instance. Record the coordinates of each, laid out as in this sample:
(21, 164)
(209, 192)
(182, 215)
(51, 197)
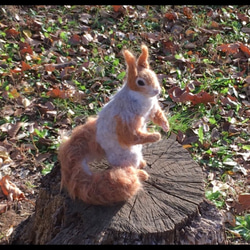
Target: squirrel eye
(141, 82)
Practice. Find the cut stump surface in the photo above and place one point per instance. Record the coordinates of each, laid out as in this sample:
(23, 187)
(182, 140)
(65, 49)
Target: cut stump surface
(171, 208)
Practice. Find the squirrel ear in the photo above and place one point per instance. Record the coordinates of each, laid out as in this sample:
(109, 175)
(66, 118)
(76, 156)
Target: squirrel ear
(131, 64)
(143, 58)
(129, 57)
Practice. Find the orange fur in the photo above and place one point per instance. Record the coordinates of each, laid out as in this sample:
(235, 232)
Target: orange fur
(132, 71)
(143, 58)
(130, 134)
(100, 188)
(119, 182)
(159, 118)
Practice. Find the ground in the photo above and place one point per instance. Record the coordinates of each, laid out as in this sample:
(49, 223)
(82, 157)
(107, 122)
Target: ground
(60, 64)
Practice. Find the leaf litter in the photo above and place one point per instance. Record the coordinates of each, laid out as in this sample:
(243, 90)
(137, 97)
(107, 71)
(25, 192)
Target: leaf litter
(58, 67)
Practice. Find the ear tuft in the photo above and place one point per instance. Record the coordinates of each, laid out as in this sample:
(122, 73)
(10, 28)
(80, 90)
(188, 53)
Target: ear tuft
(143, 58)
(129, 57)
(131, 67)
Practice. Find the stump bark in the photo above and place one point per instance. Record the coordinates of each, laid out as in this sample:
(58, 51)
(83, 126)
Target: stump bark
(171, 208)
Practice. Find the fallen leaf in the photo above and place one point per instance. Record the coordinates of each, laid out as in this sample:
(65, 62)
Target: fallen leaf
(4, 208)
(245, 156)
(245, 50)
(9, 231)
(49, 67)
(183, 95)
(245, 30)
(10, 189)
(25, 48)
(243, 17)
(214, 24)
(12, 32)
(241, 169)
(170, 47)
(74, 39)
(230, 48)
(27, 33)
(25, 66)
(87, 38)
(57, 93)
(228, 100)
(14, 93)
(152, 37)
(247, 80)
(42, 157)
(188, 12)
(16, 70)
(189, 32)
(229, 218)
(14, 129)
(117, 8)
(4, 155)
(244, 200)
(171, 16)
(187, 146)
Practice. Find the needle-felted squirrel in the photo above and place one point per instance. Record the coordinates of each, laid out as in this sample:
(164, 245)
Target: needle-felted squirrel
(117, 134)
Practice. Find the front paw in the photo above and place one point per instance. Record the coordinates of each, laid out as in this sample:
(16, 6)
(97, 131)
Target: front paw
(143, 175)
(165, 126)
(154, 137)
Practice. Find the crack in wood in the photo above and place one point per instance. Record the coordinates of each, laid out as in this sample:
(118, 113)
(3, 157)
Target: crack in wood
(171, 194)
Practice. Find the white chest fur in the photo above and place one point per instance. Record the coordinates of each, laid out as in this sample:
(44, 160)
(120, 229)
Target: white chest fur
(128, 105)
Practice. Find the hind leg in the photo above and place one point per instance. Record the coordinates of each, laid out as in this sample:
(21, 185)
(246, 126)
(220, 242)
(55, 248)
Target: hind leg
(142, 164)
(142, 175)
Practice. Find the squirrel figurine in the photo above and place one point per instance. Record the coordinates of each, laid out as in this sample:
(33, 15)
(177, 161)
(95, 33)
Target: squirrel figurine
(117, 133)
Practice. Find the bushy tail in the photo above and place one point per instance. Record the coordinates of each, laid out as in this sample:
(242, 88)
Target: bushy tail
(100, 188)
(106, 187)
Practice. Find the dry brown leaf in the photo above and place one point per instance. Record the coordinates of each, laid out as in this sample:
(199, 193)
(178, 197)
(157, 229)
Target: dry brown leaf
(4, 208)
(9, 231)
(189, 32)
(245, 50)
(26, 50)
(243, 17)
(229, 218)
(12, 32)
(171, 16)
(183, 95)
(117, 8)
(4, 155)
(188, 12)
(170, 47)
(11, 190)
(152, 37)
(247, 80)
(56, 93)
(214, 24)
(230, 48)
(14, 129)
(14, 93)
(49, 67)
(74, 40)
(42, 157)
(244, 200)
(25, 66)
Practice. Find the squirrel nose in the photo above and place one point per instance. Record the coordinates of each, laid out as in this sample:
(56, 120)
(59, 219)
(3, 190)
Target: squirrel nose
(157, 91)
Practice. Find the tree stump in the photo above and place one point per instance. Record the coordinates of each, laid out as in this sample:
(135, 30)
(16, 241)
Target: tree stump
(171, 208)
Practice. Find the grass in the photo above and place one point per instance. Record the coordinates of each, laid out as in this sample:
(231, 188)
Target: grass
(180, 121)
(220, 127)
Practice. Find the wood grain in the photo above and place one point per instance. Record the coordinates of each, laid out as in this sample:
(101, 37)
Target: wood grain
(161, 213)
